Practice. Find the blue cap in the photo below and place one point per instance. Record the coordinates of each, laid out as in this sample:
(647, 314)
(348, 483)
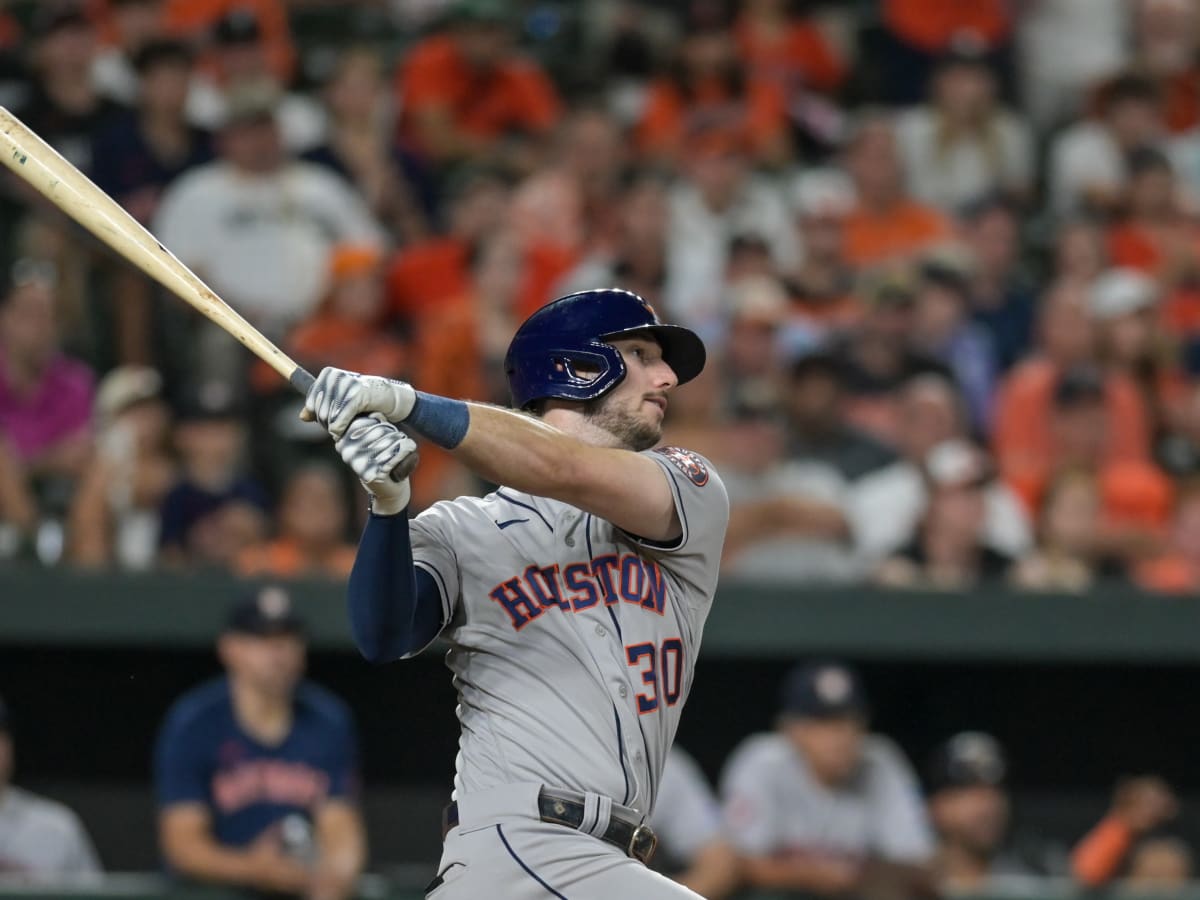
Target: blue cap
(824, 690)
(263, 612)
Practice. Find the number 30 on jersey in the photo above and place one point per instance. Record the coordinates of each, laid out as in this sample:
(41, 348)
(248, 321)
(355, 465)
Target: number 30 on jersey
(662, 672)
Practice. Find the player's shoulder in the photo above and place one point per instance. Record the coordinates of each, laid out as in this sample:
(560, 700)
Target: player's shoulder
(201, 706)
(49, 818)
(760, 754)
(695, 467)
(322, 706)
(884, 755)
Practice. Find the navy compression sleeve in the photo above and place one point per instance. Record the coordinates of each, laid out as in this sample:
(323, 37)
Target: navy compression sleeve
(395, 608)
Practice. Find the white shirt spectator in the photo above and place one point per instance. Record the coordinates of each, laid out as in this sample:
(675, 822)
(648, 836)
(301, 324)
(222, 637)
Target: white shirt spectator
(773, 804)
(1066, 47)
(687, 816)
(885, 507)
(262, 241)
(698, 244)
(951, 174)
(1084, 157)
(43, 841)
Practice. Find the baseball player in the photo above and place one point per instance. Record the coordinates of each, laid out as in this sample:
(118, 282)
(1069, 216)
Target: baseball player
(573, 597)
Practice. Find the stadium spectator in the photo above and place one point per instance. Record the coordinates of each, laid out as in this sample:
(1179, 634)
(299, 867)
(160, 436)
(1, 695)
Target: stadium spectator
(887, 226)
(1085, 169)
(711, 97)
(1068, 537)
(259, 227)
(466, 95)
(359, 144)
(1065, 47)
(197, 20)
(718, 199)
(42, 843)
(1177, 569)
(951, 549)
(45, 407)
(125, 28)
(637, 258)
(969, 807)
(1159, 865)
(311, 531)
(239, 59)
(114, 518)
(215, 509)
(944, 331)
(424, 276)
(1022, 437)
(1179, 451)
(1140, 805)
(1166, 39)
(789, 522)
(63, 106)
(886, 506)
(693, 849)
(961, 144)
(1080, 253)
(823, 299)
(142, 150)
(1001, 295)
(792, 50)
(1131, 342)
(822, 805)
(257, 772)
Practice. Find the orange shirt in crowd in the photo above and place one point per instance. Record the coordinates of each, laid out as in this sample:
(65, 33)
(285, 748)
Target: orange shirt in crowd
(1153, 250)
(329, 340)
(1098, 857)
(195, 18)
(905, 230)
(10, 31)
(798, 52)
(1170, 574)
(1181, 100)
(421, 278)
(284, 558)
(1021, 436)
(515, 95)
(671, 121)
(933, 25)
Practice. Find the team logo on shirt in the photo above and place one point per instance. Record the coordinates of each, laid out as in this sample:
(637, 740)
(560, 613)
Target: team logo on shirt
(689, 463)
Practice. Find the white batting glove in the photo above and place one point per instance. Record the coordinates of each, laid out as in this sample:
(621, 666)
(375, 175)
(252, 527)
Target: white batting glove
(338, 397)
(372, 447)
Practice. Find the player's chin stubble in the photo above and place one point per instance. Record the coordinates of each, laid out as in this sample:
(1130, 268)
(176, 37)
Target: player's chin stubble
(627, 429)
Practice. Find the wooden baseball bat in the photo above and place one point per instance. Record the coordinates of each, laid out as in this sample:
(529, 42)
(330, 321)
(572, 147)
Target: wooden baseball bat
(55, 178)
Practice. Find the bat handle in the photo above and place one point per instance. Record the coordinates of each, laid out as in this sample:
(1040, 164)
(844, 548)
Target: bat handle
(302, 379)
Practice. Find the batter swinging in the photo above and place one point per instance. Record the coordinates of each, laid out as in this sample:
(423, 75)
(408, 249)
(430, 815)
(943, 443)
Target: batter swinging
(573, 598)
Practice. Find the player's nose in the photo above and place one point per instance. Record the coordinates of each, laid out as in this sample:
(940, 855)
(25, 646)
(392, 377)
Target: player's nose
(664, 376)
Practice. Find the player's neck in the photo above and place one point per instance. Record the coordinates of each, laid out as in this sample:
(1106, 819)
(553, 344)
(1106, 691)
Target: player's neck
(265, 717)
(571, 420)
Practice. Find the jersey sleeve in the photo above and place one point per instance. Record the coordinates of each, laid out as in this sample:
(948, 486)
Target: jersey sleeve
(701, 503)
(748, 804)
(434, 534)
(686, 816)
(903, 833)
(181, 770)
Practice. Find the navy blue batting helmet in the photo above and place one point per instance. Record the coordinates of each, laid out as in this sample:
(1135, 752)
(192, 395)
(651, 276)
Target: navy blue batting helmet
(544, 357)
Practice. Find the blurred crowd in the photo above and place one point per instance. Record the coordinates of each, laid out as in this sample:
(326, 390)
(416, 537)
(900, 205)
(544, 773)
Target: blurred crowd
(945, 257)
(258, 785)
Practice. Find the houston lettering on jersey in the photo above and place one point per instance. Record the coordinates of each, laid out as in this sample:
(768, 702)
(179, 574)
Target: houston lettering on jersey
(274, 781)
(578, 586)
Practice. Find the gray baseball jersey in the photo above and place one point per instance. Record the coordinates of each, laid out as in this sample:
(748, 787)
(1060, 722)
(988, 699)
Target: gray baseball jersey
(42, 840)
(573, 643)
(773, 804)
(687, 816)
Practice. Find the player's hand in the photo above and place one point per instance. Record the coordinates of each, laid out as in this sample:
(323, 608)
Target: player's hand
(1144, 803)
(338, 397)
(372, 447)
(270, 869)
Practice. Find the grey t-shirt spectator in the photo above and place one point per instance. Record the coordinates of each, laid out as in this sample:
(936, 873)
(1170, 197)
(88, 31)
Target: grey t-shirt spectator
(773, 804)
(687, 816)
(43, 841)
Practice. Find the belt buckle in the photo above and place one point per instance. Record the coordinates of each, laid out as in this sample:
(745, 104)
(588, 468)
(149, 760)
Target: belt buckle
(642, 843)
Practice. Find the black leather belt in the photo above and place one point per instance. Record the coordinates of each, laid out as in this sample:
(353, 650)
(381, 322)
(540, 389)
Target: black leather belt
(634, 838)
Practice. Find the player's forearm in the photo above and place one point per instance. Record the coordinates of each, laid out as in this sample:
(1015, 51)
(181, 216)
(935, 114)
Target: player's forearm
(393, 610)
(795, 874)
(342, 853)
(519, 451)
(203, 859)
(714, 873)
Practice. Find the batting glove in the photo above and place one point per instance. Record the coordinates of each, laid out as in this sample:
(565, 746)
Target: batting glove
(372, 447)
(338, 397)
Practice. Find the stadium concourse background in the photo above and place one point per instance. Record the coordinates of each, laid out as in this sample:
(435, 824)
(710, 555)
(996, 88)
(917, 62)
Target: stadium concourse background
(945, 255)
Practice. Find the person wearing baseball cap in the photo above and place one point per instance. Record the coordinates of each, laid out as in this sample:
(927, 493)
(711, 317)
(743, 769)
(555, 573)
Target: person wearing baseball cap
(969, 808)
(257, 771)
(40, 840)
(822, 805)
